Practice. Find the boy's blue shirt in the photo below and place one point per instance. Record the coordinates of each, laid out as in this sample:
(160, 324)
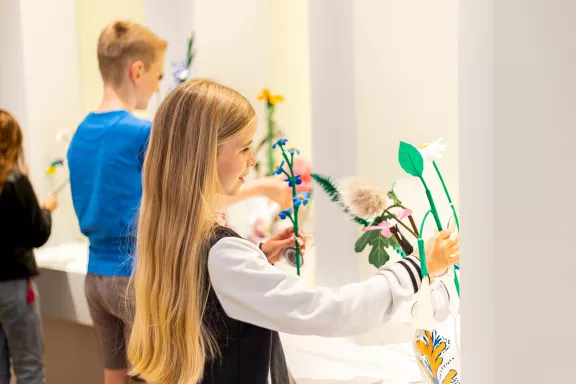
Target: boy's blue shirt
(105, 160)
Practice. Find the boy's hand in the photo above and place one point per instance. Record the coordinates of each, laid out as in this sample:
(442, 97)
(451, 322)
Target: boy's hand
(50, 203)
(442, 252)
(274, 247)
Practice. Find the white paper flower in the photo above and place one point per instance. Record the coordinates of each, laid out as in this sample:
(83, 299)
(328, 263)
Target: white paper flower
(62, 136)
(433, 151)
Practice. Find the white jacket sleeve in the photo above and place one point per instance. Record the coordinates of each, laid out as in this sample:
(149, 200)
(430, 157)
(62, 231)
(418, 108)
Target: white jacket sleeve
(253, 291)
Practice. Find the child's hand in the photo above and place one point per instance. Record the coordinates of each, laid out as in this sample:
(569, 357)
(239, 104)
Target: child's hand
(274, 247)
(442, 252)
(276, 189)
(51, 203)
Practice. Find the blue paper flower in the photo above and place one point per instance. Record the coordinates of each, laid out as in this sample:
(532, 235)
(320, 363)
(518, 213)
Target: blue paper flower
(280, 142)
(298, 179)
(180, 73)
(285, 213)
(278, 168)
(294, 151)
(301, 198)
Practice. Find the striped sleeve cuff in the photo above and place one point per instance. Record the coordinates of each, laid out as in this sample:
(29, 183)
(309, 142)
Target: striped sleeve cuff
(407, 271)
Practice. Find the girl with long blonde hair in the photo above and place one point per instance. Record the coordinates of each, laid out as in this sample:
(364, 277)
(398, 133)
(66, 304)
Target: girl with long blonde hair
(209, 304)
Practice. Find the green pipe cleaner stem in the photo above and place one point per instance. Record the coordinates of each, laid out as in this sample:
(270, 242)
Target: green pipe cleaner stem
(422, 252)
(447, 194)
(456, 279)
(60, 187)
(432, 205)
(270, 138)
(295, 222)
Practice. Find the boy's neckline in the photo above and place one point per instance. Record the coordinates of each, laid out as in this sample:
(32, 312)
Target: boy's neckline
(109, 111)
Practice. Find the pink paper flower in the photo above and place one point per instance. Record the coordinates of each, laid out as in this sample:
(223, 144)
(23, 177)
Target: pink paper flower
(384, 227)
(302, 168)
(404, 214)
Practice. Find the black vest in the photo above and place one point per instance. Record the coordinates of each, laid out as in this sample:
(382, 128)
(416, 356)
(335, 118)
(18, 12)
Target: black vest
(248, 352)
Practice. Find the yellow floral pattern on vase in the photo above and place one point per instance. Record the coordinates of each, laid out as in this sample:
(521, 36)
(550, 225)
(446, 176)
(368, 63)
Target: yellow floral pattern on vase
(429, 348)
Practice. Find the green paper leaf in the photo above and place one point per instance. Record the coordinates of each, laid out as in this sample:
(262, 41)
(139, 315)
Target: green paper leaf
(392, 242)
(394, 197)
(367, 238)
(378, 254)
(378, 257)
(410, 159)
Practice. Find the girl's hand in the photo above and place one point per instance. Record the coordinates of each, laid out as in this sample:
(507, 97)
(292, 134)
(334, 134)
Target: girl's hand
(274, 247)
(50, 203)
(442, 252)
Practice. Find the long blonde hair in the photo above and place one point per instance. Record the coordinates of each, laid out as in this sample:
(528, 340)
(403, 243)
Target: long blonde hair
(11, 147)
(169, 343)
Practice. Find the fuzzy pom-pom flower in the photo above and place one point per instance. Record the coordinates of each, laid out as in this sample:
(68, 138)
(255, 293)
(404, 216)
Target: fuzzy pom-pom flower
(363, 198)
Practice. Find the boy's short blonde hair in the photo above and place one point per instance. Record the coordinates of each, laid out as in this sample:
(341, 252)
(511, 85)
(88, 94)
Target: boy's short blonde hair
(124, 41)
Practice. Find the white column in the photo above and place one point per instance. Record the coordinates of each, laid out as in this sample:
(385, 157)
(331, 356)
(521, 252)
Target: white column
(12, 90)
(172, 20)
(333, 115)
(517, 119)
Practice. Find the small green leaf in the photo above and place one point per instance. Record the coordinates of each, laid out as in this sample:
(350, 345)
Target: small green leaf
(367, 238)
(378, 256)
(410, 159)
(393, 242)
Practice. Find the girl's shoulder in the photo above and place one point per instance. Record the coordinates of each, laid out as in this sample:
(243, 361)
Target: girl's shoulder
(220, 232)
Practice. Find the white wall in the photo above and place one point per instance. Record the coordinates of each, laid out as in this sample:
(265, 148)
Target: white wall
(12, 80)
(40, 85)
(90, 18)
(406, 90)
(290, 70)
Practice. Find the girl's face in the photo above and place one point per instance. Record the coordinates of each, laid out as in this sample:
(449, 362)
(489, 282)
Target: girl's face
(234, 160)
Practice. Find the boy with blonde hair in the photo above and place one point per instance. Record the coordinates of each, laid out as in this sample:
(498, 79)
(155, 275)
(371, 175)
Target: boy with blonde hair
(105, 159)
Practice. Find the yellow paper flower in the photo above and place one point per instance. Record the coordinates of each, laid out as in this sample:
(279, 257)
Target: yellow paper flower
(265, 95)
(276, 99)
(271, 99)
(51, 170)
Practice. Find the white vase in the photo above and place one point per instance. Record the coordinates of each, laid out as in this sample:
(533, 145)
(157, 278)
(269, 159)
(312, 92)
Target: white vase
(436, 343)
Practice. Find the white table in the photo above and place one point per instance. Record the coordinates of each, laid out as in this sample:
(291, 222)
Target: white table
(312, 360)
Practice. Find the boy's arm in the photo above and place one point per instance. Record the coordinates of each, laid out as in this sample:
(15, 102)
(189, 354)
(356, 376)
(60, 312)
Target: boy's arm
(272, 187)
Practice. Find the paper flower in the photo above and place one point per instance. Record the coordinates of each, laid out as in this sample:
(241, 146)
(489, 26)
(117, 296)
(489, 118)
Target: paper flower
(271, 99)
(180, 72)
(301, 198)
(293, 151)
(404, 214)
(383, 227)
(53, 166)
(298, 179)
(50, 170)
(302, 167)
(279, 168)
(363, 198)
(433, 151)
(285, 213)
(280, 142)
